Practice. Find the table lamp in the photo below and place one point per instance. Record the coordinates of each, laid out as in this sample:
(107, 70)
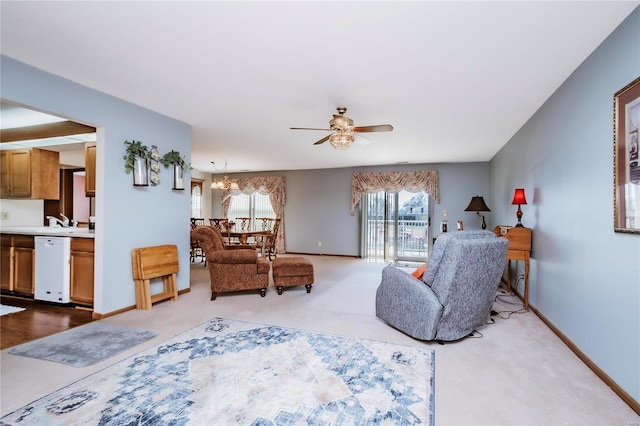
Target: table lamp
(478, 205)
(519, 199)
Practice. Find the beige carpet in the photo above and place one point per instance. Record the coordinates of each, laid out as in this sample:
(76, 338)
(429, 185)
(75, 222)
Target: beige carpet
(517, 373)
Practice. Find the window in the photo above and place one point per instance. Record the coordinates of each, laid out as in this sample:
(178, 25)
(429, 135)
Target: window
(196, 198)
(253, 206)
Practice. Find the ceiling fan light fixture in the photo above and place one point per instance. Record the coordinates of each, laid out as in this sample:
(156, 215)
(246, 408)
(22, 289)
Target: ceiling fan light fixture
(343, 130)
(341, 123)
(341, 140)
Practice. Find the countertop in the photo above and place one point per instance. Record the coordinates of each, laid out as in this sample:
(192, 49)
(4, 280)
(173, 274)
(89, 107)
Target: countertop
(48, 231)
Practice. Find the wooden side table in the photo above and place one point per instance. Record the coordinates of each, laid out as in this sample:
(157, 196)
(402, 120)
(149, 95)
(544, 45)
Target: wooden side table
(154, 262)
(519, 249)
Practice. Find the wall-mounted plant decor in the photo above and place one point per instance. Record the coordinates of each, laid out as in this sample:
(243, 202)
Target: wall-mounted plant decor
(136, 160)
(154, 166)
(179, 164)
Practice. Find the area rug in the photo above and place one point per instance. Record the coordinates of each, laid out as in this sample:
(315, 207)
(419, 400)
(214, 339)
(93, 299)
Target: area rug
(6, 309)
(84, 345)
(226, 372)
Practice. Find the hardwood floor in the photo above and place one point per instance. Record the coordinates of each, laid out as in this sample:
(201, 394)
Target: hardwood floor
(38, 320)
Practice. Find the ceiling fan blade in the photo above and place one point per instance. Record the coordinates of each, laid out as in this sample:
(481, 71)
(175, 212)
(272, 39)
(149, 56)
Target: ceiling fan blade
(323, 140)
(308, 128)
(362, 139)
(378, 128)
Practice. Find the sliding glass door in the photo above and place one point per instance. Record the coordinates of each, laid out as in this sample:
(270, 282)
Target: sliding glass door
(396, 226)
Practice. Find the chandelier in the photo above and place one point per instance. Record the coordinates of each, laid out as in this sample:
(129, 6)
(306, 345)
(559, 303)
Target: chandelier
(225, 183)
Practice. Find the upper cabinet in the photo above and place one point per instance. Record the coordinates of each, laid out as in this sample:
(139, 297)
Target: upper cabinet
(90, 169)
(30, 159)
(30, 173)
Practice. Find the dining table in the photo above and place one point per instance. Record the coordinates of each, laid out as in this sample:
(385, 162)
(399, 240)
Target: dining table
(242, 236)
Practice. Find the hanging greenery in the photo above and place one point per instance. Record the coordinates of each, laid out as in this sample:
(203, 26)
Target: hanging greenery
(134, 149)
(173, 157)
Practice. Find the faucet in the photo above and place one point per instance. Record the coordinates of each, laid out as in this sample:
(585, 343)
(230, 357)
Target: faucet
(53, 220)
(65, 222)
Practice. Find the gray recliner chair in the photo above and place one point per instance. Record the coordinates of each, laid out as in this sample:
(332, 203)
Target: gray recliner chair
(456, 292)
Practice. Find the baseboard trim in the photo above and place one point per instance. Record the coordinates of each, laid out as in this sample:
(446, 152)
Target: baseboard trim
(98, 316)
(323, 254)
(628, 399)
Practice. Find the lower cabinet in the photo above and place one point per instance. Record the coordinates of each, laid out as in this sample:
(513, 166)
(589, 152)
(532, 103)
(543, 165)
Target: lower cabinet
(23, 258)
(17, 264)
(5, 263)
(82, 250)
(17, 267)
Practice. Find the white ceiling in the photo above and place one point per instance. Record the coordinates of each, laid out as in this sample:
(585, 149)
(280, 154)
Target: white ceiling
(14, 116)
(455, 79)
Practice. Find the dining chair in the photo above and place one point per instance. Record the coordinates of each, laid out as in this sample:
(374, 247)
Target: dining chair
(196, 221)
(266, 244)
(245, 223)
(224, 225)
(215, 222)
(195, 249)
(266, 223)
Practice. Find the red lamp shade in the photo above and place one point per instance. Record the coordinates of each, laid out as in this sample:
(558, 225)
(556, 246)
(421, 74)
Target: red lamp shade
(518, 197)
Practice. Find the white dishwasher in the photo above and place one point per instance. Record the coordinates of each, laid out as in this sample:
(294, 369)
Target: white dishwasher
(52, 275)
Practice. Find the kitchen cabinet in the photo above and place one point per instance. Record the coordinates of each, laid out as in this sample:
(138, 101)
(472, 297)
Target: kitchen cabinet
(17, 257)
(82, 252)
(5, 262)
(30, 173)
(90, 169)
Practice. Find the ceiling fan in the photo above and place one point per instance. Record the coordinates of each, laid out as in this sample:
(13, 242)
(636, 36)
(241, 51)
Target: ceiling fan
(343, 130)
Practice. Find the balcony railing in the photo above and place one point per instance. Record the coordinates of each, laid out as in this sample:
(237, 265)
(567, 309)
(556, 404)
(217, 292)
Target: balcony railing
(412, 239)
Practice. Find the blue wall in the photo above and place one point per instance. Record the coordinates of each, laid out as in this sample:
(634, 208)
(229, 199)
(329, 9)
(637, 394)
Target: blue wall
(318, 203)
(585, 278)
(127, 217)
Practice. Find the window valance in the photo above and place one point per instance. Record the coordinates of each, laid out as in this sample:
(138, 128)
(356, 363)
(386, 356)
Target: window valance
(424, 180)
(262, 184)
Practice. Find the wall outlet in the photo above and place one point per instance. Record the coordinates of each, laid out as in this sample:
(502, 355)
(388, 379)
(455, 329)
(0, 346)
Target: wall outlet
(4, 215)
(319, 243)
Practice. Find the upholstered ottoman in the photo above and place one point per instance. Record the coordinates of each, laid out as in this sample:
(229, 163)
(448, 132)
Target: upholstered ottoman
(291, 272)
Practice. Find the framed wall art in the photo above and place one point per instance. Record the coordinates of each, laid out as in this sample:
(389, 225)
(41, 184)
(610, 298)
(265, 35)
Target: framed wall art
(626, 163)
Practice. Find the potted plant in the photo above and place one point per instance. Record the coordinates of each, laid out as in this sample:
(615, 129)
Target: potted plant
(173, 158)
(136, 161)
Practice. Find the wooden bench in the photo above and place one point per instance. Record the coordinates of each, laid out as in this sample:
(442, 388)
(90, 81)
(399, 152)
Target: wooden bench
(155, 262)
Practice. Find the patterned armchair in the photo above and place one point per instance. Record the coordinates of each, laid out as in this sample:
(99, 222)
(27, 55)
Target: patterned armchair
(456, 292)
(231, 268)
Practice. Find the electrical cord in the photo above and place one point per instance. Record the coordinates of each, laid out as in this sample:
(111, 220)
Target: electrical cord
(506, 314)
